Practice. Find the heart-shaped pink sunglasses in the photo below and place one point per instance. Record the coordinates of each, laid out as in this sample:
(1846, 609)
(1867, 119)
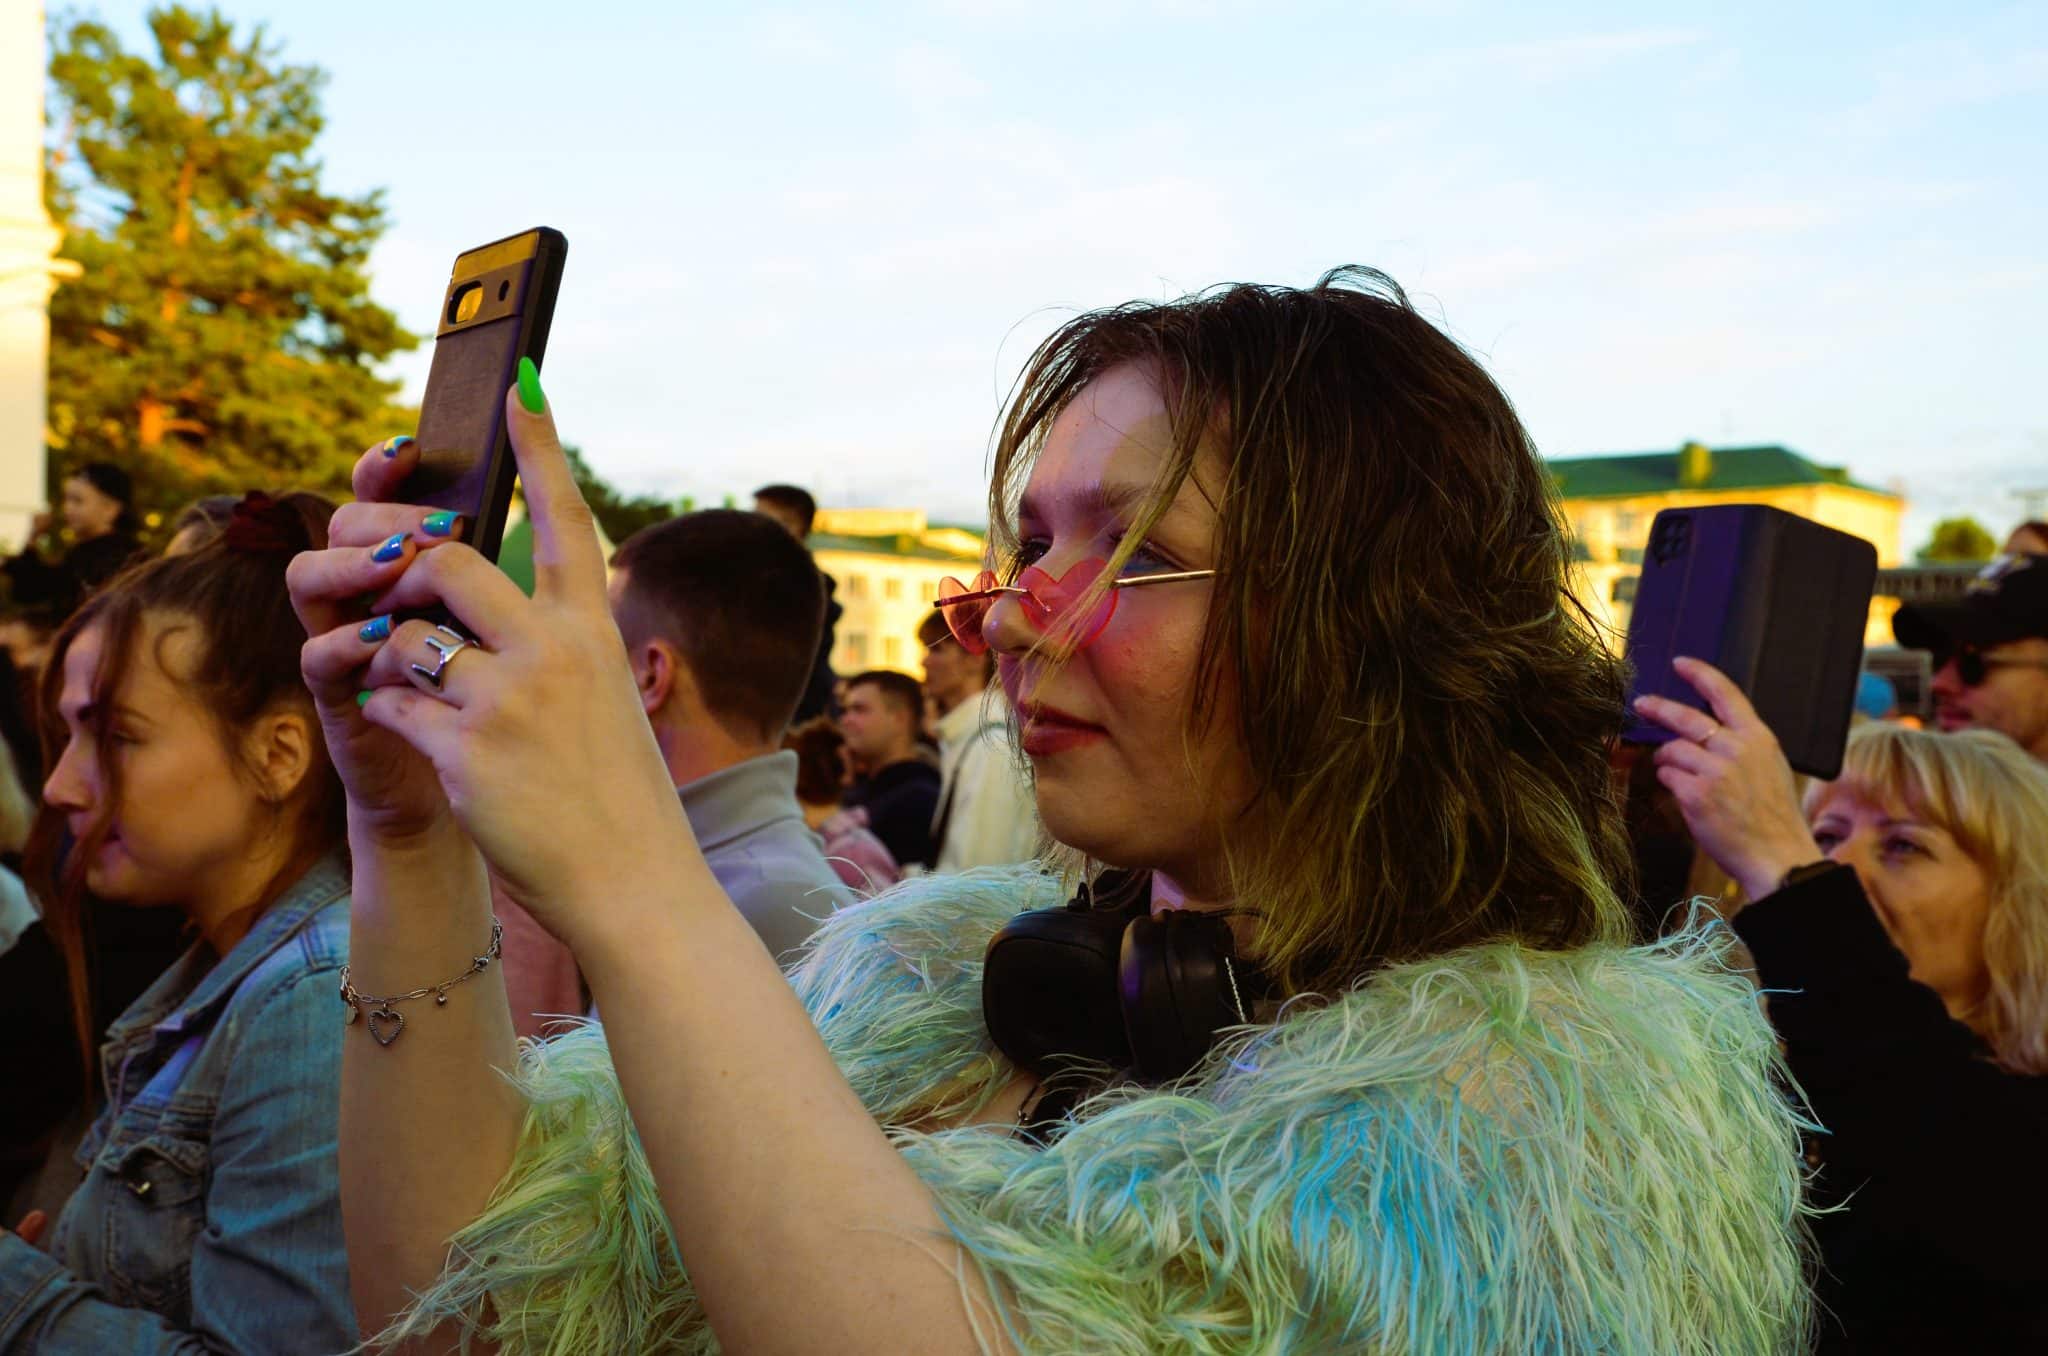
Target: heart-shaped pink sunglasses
(1044, 599)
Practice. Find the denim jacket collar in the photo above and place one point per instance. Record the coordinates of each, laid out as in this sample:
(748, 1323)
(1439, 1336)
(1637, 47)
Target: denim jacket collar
(190, 995)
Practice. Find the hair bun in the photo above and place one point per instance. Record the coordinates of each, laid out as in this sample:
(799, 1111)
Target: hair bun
(261, 526)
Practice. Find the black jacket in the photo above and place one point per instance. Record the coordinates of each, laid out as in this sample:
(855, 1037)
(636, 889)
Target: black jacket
(1938, 1156)
(59, 589)
(901, 801)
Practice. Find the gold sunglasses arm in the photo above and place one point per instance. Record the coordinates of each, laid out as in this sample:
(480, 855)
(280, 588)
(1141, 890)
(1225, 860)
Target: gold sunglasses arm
(1173, 578)
(976, 596)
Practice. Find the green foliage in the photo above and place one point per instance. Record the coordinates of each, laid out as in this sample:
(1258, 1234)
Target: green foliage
(618, 514)
(1958, 541)
(222, 336)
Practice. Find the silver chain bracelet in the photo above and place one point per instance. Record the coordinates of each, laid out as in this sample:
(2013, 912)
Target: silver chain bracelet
(385, 1025)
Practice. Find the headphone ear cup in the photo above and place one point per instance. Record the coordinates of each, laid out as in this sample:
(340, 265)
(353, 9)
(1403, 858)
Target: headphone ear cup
(1174, 990)
(1048, 989)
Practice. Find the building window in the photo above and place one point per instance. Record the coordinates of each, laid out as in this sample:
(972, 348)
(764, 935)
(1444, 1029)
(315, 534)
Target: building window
(892, 589)
(856, 586)
(892, 651)
(1625, 588)
(931, 590)
(1627, 524)
(855, 646)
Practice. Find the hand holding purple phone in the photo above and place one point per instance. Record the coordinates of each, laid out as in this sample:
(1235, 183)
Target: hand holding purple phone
(1731, 781)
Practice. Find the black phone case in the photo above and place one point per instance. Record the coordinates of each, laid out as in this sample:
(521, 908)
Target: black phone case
(465, 453)
(1775, 601)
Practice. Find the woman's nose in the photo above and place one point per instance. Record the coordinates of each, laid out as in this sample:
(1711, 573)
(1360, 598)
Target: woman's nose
(1005, 627)
(69, 786)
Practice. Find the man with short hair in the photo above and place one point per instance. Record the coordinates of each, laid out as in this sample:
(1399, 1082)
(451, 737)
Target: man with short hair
(720, 612)
(797, 512)
(900, 793)
(986, 816)
(1990, 652)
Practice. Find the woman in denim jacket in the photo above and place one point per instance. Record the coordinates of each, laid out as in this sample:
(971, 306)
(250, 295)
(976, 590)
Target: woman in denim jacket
(191, 773)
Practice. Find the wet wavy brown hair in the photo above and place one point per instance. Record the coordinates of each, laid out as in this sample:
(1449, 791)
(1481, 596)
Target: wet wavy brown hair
(1425, 707)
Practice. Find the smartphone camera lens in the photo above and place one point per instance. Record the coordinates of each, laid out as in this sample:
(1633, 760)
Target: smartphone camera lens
(463, 306)
(1672, 536)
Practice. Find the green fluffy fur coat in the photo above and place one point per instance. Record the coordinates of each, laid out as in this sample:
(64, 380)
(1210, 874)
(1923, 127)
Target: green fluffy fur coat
(1491, 1150)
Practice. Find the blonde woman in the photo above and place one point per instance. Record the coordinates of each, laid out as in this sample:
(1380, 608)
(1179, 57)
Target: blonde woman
(1901, 931)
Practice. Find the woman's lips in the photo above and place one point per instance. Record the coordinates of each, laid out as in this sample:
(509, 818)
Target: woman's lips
(1048, 730)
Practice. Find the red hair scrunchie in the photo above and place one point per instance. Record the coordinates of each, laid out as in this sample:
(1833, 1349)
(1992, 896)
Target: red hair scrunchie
(261, 526)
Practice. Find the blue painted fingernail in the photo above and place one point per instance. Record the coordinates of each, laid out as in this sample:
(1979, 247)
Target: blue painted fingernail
(374, 630)
(391, 449)
(438, 524)
(390, 550)
(362, 699)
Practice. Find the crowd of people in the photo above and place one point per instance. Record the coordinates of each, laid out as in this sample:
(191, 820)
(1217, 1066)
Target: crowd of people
(1248, 933)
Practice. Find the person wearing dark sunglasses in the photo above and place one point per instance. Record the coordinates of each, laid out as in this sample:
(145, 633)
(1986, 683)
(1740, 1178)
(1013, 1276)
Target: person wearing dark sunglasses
(1990, 652)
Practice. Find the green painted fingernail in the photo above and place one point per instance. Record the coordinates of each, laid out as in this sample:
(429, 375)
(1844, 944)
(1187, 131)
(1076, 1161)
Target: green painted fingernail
(438, 524)
(362, 698)
(529, 387)
(374, 630)
(392, 448)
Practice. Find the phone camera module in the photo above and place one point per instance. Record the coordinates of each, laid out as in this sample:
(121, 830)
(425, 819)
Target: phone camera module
(1672, 536)
(467, 301)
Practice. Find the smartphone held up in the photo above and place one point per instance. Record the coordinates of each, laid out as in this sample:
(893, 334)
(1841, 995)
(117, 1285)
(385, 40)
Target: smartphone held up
(497, 309)
(1775, 601)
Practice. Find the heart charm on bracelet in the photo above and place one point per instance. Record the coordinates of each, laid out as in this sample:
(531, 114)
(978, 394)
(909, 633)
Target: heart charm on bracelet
(382, 1018)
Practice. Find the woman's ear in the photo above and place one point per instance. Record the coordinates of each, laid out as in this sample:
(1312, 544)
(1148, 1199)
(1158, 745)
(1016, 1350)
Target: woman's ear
(282, 749)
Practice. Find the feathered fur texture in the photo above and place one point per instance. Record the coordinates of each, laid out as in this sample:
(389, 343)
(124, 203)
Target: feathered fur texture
(1493, 1150)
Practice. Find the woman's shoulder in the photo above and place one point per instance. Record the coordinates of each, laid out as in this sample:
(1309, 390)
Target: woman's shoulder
(305, 940)
(1607, 1035)
(943, 921)
(1655, 1000)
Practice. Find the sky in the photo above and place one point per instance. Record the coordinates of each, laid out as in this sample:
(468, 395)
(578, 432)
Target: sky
(816, 243)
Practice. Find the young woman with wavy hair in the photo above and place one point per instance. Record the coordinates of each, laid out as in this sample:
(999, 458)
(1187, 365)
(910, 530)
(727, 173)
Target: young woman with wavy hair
(1341, 1049)
(1900, 930)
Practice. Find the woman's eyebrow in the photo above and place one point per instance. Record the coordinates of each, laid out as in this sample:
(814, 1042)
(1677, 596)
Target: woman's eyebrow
(1113, 500)
(1096, 500)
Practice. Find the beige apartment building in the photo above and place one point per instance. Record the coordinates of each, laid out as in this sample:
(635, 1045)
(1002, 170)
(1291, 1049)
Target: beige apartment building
(1609, 502)
(887, 564)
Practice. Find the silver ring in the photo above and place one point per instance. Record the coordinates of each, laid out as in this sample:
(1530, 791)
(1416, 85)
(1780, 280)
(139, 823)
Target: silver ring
(446, 650)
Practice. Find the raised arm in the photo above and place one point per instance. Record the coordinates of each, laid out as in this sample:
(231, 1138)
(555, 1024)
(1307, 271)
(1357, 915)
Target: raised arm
(428, 1123)
(801, 1226)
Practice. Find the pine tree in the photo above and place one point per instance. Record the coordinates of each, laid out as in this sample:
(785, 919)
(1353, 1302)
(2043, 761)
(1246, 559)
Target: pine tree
(221, 336)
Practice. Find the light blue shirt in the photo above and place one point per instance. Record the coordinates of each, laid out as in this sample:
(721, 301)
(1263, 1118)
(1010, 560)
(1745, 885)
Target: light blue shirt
(752, 833)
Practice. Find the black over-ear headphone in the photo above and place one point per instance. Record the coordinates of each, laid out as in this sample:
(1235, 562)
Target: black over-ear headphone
(1102, 981)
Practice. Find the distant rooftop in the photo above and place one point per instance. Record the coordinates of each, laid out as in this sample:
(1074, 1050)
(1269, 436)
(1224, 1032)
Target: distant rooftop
(1694, 468)
(893, 532)
(895, 545)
